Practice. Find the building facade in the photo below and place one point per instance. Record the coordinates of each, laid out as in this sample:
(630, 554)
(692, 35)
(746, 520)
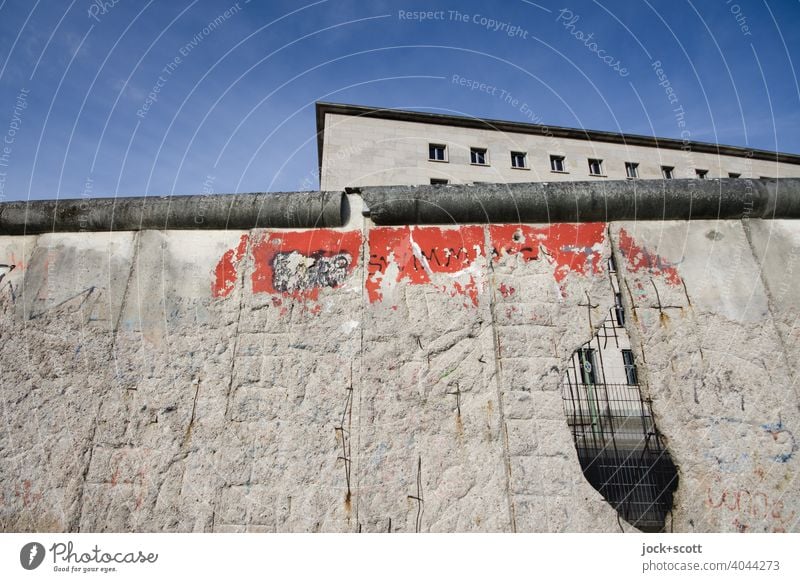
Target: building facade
(621, 450)
(366, 146)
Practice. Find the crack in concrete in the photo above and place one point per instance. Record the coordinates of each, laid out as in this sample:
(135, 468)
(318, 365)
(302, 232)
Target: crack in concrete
(499, 382)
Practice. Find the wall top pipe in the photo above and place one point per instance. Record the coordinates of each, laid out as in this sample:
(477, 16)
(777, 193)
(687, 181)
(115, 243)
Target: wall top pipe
(585, 201)
(207, 212)
(396, 205)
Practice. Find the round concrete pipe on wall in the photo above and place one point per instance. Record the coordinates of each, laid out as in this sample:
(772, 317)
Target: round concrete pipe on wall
(584, 201)
(220, 211)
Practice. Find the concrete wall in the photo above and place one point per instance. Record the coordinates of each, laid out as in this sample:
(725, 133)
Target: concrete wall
(363, 151)
(386, 378)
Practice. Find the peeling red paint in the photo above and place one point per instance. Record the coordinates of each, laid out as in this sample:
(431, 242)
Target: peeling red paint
(469, 289)
(639, 258)
(312, 246)
(513, 239)
(417, 253)
(506, 290)
(298, 264)
(572, 248)
(225, 273)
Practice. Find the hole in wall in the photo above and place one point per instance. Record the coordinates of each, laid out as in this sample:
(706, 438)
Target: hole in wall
(619, 446)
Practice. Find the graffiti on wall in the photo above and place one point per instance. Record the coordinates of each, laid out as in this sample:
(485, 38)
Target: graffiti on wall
(10, 266)
(424, 255)
(766, 443)
(453, 260)
(295, 272)
(300, 264)
(754, 509)
(783, 439)
(6, 269)
(295, 264)
(448, 258)
(129, 474)
(27, 494)
(755, 504)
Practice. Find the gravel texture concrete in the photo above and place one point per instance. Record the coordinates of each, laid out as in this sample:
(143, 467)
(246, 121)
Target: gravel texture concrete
(386, 378)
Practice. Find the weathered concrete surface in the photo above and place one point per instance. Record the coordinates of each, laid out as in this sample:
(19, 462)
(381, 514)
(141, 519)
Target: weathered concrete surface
(716, 369)
(376, 378)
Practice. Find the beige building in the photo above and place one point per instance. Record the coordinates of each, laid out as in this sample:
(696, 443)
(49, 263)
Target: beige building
(367, 146)
(619, 447)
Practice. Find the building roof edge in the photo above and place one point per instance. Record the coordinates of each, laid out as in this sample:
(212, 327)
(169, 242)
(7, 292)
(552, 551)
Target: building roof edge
(324, 107)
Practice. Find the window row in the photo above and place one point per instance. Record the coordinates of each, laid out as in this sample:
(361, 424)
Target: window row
(588, 367)
(519, 160)
(477, 156)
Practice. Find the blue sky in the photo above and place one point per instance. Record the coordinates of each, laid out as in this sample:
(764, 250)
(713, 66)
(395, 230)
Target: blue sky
(234, 108)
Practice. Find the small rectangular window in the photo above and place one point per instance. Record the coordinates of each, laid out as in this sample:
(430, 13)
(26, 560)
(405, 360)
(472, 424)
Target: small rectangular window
(588, 368)
(630, 367)
(437, 152)
(477, 156)
(701, 174)
(632, 169)
(595, 167)
(734, 175)
(764, 178)
(557, 164)
(668, 172)
(438, 181)
(518, 160)
(619, 310)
